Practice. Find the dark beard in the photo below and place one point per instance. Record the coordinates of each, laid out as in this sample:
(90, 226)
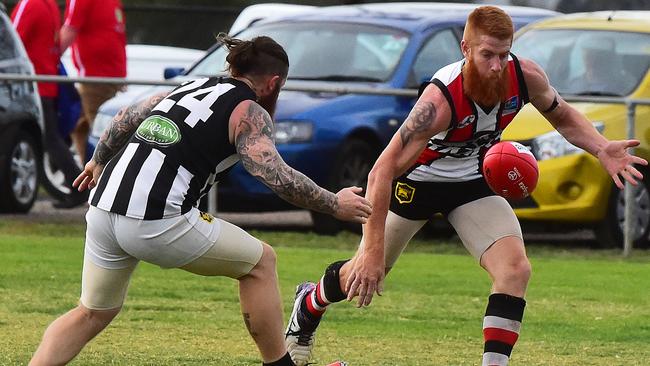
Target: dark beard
(487, 92)
(269, 102)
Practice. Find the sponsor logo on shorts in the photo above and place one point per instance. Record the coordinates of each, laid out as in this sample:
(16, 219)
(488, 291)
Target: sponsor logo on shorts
(159, 130)
(206, 216)
(404, 193)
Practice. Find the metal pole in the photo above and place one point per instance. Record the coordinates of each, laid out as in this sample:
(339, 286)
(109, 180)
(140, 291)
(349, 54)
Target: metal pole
(291, 85)
(628, 233)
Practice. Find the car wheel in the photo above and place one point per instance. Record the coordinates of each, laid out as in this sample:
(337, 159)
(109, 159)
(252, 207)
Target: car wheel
(19, 175)
(351, 168)
(609, 233)
(53, 179)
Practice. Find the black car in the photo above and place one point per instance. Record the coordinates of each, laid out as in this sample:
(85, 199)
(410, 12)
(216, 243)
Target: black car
(21, 125)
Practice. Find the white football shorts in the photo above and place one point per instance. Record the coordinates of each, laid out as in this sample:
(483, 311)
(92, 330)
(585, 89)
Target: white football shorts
(196, 242)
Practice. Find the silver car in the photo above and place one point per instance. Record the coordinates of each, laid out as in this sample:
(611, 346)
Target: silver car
(21, 125)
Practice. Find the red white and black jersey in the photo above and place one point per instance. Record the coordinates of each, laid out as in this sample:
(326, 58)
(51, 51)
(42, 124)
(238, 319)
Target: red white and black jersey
(177, 153)
(455, 154)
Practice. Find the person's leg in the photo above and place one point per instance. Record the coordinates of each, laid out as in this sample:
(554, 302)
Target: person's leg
(54, 144)
(239, 255)
(398, 232)
(92, 97)
(60, 156)
(313, 299)
(103, 292)
(495, 240)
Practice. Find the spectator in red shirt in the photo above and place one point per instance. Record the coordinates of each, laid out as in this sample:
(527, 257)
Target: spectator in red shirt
(38, 22)
(97, 33)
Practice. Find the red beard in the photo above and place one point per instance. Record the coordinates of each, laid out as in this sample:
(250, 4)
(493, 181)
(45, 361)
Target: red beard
(486, 91)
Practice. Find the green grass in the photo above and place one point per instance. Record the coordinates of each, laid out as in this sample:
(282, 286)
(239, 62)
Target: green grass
(584, 307)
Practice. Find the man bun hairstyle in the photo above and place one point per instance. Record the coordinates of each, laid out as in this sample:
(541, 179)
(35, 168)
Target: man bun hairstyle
(257, 57)
(488, 20)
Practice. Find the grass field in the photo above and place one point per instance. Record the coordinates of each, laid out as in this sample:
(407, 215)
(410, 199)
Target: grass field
(584, 307)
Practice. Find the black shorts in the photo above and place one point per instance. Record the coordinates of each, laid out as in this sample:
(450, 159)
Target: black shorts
(421, 200)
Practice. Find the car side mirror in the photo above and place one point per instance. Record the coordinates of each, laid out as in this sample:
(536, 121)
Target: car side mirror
(171, 72)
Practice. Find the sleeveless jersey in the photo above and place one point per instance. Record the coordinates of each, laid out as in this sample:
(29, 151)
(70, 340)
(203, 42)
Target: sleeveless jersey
(456, 154)
(176, 154)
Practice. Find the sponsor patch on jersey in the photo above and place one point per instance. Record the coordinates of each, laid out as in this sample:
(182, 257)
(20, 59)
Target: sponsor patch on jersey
(159, 130)
(467, 121)
(206, 217)
(404, 193)
(510, 106)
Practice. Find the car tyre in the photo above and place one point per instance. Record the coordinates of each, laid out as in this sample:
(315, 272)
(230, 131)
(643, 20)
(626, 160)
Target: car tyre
(609, 232)
(53, 180)
(351, 168)
(19, 175)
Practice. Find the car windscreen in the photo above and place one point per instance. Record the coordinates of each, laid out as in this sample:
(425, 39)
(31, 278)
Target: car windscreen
(325, 51)
(588, 62)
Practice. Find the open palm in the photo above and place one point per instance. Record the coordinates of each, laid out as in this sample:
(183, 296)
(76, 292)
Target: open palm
(616, 159)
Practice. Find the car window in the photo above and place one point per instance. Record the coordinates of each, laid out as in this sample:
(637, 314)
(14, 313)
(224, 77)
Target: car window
(588, 62)
(440, 50)
(7, 41)
(326, 51)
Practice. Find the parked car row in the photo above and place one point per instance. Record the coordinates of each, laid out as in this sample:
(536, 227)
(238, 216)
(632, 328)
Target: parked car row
(335, 137)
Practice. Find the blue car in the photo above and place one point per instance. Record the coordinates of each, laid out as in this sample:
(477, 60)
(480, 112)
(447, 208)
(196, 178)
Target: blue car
(334, 137)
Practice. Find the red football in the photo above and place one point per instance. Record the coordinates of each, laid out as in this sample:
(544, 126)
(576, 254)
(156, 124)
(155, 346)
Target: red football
(510, 170)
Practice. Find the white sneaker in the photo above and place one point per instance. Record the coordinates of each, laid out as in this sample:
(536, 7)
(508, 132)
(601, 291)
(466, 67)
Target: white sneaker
(299, 337)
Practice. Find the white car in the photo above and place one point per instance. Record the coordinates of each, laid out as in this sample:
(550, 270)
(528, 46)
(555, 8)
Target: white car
(147, 62)
(257, 12)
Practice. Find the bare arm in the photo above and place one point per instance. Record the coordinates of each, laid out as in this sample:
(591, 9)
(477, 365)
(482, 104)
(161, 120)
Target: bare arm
(252, 133)
(123, 127)
(576, 128)
(573, 125)
(113, 139)
(430, 115)
(67, 35)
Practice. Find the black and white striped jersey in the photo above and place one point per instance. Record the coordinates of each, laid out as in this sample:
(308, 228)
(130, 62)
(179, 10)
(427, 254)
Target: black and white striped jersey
(176, 154)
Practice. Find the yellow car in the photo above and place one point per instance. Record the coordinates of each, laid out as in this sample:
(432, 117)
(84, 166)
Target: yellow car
(587, 54)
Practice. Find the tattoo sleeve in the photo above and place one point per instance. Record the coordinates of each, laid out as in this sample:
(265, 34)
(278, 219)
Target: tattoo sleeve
(254, 143)
(418, 121)
(122, 128)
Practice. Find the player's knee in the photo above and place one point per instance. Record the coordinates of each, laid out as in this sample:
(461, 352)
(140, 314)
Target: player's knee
(519, 270)
(98, 319)
(268, 260)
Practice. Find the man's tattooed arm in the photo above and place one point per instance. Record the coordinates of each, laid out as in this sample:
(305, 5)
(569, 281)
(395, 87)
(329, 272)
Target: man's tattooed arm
(122, 128)
(418, 121)
(254, 143)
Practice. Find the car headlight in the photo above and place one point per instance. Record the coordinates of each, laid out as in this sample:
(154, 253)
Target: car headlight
(293, 131)
(553, 145)
(101, 123)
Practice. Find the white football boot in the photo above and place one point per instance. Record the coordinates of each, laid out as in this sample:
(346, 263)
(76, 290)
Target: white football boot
(299, 337)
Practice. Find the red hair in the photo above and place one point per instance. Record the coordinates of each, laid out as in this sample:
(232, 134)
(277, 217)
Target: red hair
(488, 20)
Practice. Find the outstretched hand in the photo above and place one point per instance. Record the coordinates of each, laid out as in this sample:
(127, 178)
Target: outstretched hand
(365, 278)
(88, 178)
(616, 160)
(351, 206)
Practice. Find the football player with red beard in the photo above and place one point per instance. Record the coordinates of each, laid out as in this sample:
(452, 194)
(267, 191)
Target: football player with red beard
(432, 165)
